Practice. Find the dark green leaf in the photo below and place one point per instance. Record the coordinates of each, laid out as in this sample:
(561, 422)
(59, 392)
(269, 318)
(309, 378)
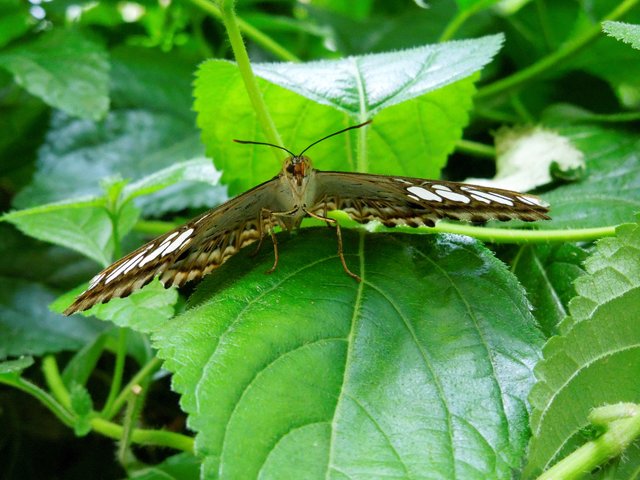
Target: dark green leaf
(82, 406)
(609, 194)
(27, 327)
(79, 368)
(547, 272)
(422, 367)
(64, 68)
(14, 20)
(595, 360)
(16, 366)
(183, 466)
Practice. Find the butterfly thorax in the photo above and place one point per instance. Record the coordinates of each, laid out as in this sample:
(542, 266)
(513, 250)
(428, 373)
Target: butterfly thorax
(296, 189)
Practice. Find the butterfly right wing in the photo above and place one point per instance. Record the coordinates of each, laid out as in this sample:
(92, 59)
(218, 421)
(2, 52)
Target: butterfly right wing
(395, 200)
(189, 252)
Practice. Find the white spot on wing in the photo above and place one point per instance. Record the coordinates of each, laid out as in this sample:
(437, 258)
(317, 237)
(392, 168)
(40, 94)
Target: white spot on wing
(95, 280)
(413, 197)
(494, 197)
(178, 242)
(480, 199)
(156, 253)
(121, 269)
(530, 200)
(440, 187)
(424, 194)
(402, 180)
(455, 197)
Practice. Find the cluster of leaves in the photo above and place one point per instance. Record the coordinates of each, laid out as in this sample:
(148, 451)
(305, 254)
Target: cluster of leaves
(449, 360)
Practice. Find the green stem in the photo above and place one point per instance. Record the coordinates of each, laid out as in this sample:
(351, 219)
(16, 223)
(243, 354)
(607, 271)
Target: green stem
(144, 437)
(620, 433)
(118, 371)
(54, 381)
(552, 60)
(149, 369)
(250, 82)
(455, 23)
(251, 32)
(64, 415)
(476, 149)
(503, 235)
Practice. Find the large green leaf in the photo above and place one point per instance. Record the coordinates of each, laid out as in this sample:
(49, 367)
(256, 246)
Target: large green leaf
(422, 368)
(595, 361)
(363, 86)
(64, 68)
(412, 138)
(27, 327)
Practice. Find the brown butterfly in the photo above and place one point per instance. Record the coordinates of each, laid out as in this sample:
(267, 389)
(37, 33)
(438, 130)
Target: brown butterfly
(195, 249)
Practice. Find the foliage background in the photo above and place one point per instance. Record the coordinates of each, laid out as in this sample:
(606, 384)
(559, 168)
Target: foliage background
(116, 125)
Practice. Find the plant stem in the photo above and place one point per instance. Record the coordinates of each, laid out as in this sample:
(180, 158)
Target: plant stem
(250, 31)
(66, 417)
(144, 437)
(250, 83)
(503, 235)
(455, 23)
(54, 381)
(152, 366)
(552, 60)
(476, 149)
(620, 433)
(118, 371)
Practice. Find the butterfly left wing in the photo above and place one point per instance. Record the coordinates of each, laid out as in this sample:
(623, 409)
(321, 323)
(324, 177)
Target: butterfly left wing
(395, 200)
(189, 252)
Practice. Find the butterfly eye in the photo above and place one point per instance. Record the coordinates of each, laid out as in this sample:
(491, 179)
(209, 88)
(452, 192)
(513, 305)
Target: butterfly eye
(291, 168)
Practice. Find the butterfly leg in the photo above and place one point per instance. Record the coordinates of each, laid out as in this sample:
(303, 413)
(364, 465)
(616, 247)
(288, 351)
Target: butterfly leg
(331, 221)
(272, 215)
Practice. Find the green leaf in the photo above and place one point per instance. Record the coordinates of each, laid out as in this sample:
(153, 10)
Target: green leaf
(14, 20)
(130, 144)
(363, 86)
(625, 32)
(82, 406)
(83, 226)
(83, 362)
(183, 466)
(65, 69)
(595, 360)
(150, 127)
(307, 373)
(27, 327)
(142, 311)
(15, 366)
(547, 273)
(609, 194)
(399, 141)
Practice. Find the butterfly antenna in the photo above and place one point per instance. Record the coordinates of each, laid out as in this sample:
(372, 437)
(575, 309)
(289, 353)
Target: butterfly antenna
(251, 142)
(335, 133)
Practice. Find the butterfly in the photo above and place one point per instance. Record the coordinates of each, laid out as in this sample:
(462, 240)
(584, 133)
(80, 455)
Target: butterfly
(193, 250)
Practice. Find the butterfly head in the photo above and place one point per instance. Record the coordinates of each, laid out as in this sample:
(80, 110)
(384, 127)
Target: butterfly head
(296, 169)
